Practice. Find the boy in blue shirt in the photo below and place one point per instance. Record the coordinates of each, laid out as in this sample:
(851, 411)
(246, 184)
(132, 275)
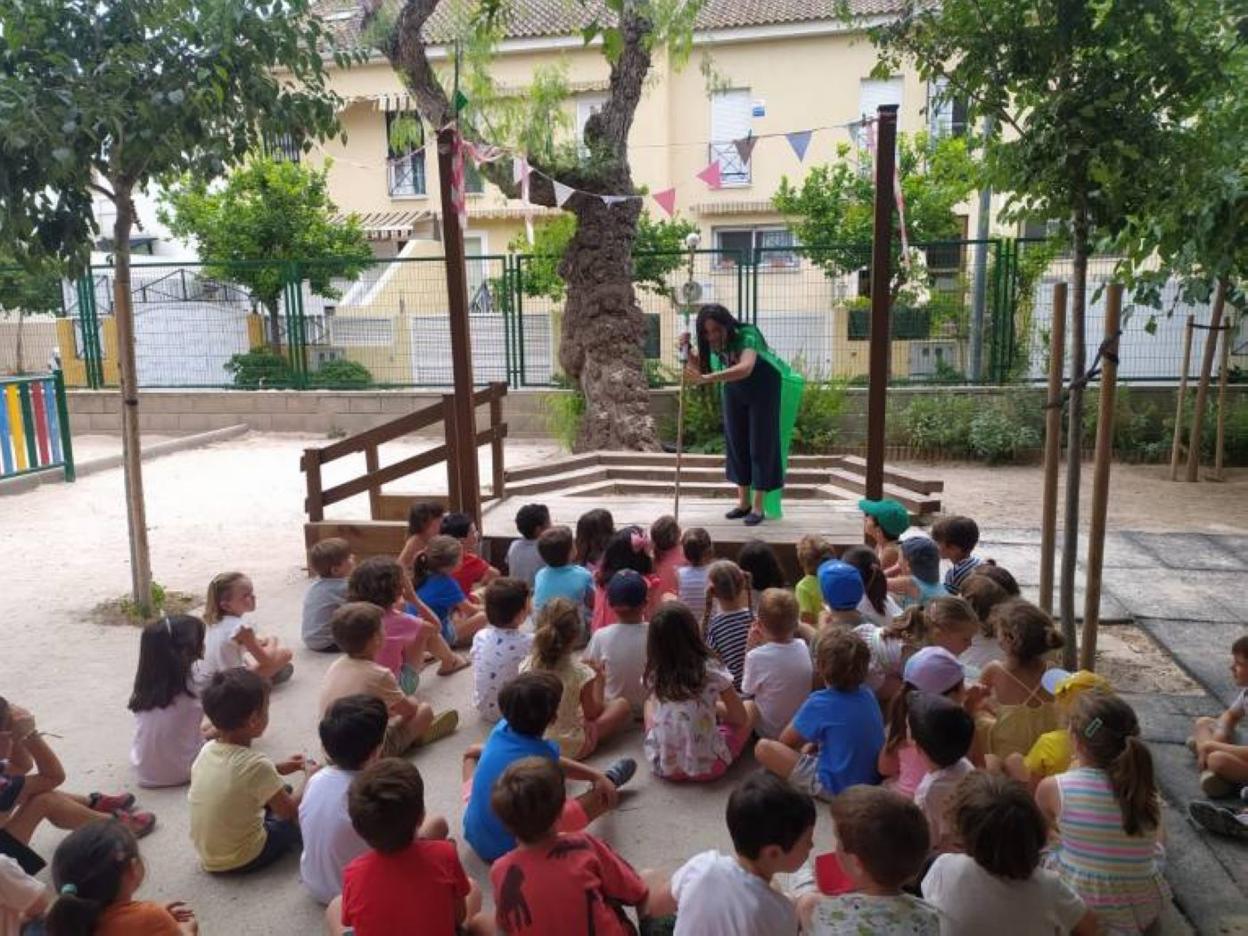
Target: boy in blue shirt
(529, 704)
(561, 578)
(843, 720)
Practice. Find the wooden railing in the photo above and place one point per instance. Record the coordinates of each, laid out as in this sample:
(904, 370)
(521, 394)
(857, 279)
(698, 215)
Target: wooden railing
(368, 442)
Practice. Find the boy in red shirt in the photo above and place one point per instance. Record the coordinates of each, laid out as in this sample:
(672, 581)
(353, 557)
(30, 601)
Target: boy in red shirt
(404, 880)
(474, 572)
(569, 883)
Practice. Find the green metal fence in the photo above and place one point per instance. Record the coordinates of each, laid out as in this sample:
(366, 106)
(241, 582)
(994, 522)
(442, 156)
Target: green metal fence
(982, 315)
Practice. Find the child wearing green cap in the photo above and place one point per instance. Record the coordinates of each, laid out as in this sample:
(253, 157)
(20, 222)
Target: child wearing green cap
(883, 523)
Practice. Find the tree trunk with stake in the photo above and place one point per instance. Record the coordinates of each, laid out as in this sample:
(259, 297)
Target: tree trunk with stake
(1074, 436)
(136, 512)
(1202, 388)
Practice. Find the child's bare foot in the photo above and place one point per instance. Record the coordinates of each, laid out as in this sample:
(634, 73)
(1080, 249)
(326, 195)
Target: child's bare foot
(454, 665)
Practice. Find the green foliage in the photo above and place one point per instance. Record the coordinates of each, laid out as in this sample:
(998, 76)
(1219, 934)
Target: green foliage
(32, 289)
(704, 421)
(260, 369)
(342, 375)
(938, 423)
(564, 412)
(819, 417)
(267, 213)
(997, 436)
(540, 271)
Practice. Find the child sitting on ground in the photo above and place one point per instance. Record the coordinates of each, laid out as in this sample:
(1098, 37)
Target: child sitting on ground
(332, 561)
(352, 733)
(407, 882)
(619, 650)
(1222, 762)
(772, 827)
(812, 552)
(243, 817)
(842, 720)
(942, 731)
(357, 629)
(668, 556)
(499, 648)
(628, 548)
(761, 565)
(230, 596)
(983, 593)
(523, 559)
(1107, 813)
(380, 581)
(840, 586)
(881, 845)
(442, 592)
(24, 899)
(932, 670)
(473, 572)
(883, 522)
(696, 724)
(1020, 709)
(1052, 752)
(26, 798)
(877, 605)
(728, 630)
(424, 520)
(529, 704)
(918, 573)
(585, 717)
(569, 883)
(998, 886)
(97, 871)
(777, 676)
(956, 539)
(562, 578)
(165, 701)
(696, 545)
(593, 531)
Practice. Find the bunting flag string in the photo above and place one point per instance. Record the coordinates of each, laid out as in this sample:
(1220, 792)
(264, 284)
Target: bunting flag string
(799, 140)
(666, 200)
(562, 192)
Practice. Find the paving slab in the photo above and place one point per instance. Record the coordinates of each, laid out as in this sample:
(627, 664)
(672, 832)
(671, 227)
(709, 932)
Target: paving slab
(1203, 649)
(1013, 535)
(1167, 719)
(1178, 595)
(1112, 610)
(1190, 551)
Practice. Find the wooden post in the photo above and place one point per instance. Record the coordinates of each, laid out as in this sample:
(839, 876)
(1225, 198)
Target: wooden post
(465, 421)
(1177, 445)
(680, 441)
(312, 475)
(496, 442)
(1052, 446)
(1100, 480)
(454, 498)
(372, 464)
(1220, 441)
(881, 273)
(1202, 388)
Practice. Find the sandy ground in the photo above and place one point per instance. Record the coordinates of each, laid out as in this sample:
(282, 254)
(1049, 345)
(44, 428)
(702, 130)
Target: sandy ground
(239, 504)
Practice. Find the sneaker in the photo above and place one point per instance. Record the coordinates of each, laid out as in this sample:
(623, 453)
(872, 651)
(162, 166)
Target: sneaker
(283, 674)
(1218, 820)
(754, 519)
(442, 726)
(621, 771)
(737, 513)
(1215, 787)
(1190, 743)
(108, 803)
(140, 823)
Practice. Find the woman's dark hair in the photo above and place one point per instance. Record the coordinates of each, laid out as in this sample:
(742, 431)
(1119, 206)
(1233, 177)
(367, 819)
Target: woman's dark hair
(721, 316)
(626, 549)
(676, 655)
(593, 529)
(1108, 734)
(999, 824)
(168, 650)
(759, 561)
(87, 872)
(864, 559)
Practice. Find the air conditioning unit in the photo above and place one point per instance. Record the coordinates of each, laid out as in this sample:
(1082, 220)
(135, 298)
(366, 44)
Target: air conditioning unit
(926, 357)
(319, 357)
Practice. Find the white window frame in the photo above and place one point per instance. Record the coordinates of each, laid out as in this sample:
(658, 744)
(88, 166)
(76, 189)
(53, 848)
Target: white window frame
(395, 164)
(733, 172)
(754, 230)
(877, 85)
(586, 106)
(940, 113)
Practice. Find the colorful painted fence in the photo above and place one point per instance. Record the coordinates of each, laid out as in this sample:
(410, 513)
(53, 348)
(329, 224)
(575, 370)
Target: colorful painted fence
(34, 426)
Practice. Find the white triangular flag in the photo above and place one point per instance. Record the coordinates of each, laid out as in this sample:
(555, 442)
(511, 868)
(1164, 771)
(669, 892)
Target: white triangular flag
(562, 192)
(519, 169)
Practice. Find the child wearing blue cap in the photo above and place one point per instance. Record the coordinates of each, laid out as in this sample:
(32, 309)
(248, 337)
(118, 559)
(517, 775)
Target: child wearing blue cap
(918, 581)
(842, 589)
(619, 650)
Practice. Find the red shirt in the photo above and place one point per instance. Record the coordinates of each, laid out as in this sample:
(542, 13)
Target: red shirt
(574, 887)
(471, 570)
(387, 894)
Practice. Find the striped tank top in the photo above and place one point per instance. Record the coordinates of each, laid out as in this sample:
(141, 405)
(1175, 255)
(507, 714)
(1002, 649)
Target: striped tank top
(1117, 875)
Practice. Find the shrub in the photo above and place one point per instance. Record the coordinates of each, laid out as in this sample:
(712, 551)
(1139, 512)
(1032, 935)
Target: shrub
(940, 422)
(564, 411)
(998, 435)
(260, 369)
(342, 375)
(819, 417)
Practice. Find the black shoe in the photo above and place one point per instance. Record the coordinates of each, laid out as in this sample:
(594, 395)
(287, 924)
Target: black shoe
(621, 771)
(737, 513)
(754, 519)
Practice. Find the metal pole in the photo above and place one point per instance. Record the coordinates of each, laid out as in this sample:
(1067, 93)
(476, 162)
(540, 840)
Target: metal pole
(1202, 388)
(62, 415)
(1052, 446)
(881, 273)
(979, 287)
(1100, 480)
(461, 342)
(1177, 444)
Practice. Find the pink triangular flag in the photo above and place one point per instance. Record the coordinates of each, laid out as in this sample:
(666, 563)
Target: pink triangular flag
(666, 200)
(711, 175)
(745, 148)
(799, 140)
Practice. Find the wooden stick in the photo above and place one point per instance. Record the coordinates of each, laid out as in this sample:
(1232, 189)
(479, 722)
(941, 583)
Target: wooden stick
(1177, 445)
(1220, 442)
(1100, 481)
(1202, 388)
(680, 440)
(1052, 446)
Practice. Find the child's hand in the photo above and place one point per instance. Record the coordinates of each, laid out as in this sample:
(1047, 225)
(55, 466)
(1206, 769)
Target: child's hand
(756, 637)
(291, 764)
(180, 911)
(597, 666)
(975, 695)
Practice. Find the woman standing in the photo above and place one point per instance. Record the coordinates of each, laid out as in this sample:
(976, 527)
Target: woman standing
(760, 399)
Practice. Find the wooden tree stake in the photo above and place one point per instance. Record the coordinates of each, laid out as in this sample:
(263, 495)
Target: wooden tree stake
(1202, 388)
(1177, 445)
(1052, 446)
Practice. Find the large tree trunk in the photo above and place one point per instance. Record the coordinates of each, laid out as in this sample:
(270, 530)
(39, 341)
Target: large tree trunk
(132, 463)
(1074, 437)
(275, 327)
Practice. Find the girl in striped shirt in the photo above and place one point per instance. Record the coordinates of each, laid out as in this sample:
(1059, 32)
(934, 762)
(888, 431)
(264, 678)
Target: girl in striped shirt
(1108, 818)
(727, 631)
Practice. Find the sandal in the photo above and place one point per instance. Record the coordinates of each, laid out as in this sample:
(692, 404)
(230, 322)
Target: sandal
(108, 803)
(139, 823)
(442, 726)
(462, 663)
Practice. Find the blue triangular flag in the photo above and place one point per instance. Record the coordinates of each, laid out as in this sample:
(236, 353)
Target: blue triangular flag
(799, 140)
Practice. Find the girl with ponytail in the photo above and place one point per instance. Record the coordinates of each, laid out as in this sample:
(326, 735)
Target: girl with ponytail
(96, 871)
(1108, 816)
(1024, 709)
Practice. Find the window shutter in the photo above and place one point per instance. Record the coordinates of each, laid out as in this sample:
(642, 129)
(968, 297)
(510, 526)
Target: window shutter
(730, 115)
